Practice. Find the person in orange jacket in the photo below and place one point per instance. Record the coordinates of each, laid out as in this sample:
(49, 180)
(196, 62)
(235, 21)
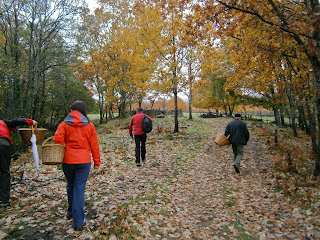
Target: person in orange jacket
(80, 137)
(139, 136)
(6, 127)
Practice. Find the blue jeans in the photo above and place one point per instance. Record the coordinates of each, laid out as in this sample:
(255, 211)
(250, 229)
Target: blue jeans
(77, 176)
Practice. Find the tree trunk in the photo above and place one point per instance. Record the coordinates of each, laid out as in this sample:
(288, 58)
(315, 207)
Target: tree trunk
(190, 105)
(245, 111)
(317, 163)
(276, 115)
(302, 119)
(293, 119)
(176, 123)
(282, 122)
(190, 89)
(111, 115)
(152, 103)
(312, 123)
(106, 109)
(290, 97)
(122, 104)
(101, 108)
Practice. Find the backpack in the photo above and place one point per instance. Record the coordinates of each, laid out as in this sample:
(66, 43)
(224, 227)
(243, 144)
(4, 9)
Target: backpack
(146, 124)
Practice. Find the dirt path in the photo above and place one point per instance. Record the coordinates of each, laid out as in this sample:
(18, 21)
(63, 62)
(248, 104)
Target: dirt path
(187, 189)
(216, 203)
(210, 201)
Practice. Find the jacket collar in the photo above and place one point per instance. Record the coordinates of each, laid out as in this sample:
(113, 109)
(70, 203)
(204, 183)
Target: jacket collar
(76, 118)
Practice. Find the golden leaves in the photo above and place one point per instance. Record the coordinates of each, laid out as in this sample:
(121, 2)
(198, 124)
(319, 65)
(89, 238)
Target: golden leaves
(186, 189)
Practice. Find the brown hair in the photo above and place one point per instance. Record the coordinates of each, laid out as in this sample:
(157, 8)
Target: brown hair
(81, 107)
(139, 109)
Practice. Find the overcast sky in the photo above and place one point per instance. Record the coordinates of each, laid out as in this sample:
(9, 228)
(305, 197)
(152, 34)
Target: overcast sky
(92, 4)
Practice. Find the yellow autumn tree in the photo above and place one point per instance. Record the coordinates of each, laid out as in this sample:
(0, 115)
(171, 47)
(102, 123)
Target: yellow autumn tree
(116, 55)
(212, 89)
(273, 47)
(90, 68)
(163, 21)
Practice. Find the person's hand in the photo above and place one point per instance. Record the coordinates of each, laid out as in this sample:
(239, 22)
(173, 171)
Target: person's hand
(131, 136)
(34, 122)
(96, 166)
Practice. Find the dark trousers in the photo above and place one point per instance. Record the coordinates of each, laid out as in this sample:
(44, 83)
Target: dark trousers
(140, 141)
(237, 153)
(77, 176)
(5, 158)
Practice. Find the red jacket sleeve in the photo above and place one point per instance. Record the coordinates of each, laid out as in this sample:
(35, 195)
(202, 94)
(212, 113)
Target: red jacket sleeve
(29, 121)
(95, 148)
(130, 126)
(59, 136)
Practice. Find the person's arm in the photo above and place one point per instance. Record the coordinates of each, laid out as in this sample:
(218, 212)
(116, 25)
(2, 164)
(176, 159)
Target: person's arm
(227, 130)
(246, 132)
(59, 136)
(95, 149)
(130, 127)
(19, 122)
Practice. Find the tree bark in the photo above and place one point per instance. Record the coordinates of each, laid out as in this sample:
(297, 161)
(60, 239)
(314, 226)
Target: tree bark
(292, 104)
(282, 121)
(176, 122)
(190, 106)
(276, 115)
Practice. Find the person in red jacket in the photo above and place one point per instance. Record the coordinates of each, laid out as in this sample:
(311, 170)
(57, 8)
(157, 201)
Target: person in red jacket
(80, 137)
(138, 135)
(7, 126)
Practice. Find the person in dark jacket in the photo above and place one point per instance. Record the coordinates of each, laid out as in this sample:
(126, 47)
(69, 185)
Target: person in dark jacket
(138, 135)
(239, 136)
(7, 126)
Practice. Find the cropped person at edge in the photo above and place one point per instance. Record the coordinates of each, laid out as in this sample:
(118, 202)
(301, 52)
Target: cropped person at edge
(6, 127)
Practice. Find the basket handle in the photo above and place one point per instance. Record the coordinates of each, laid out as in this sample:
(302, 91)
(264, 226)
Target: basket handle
(228, 136)
(33, 126)
(45, 141)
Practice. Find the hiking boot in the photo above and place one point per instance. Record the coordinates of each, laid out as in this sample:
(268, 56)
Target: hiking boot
(138, 164)
(81, 227)
(236, 169)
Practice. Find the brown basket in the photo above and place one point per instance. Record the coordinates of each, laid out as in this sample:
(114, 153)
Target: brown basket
(26, 134)
(52, 154)
(222, 140)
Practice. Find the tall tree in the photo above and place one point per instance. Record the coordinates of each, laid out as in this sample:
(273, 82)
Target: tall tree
(295, 22)
(34, 32)
(164, 21)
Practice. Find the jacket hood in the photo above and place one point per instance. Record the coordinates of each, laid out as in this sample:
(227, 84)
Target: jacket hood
(76, 118)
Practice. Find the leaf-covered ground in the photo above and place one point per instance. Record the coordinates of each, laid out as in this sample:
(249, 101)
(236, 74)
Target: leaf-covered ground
(187, 189)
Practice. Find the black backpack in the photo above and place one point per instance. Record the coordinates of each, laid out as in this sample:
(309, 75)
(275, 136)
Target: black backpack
(146, 124)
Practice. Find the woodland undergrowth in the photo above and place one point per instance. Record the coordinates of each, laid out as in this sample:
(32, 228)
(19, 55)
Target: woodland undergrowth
(293, 164)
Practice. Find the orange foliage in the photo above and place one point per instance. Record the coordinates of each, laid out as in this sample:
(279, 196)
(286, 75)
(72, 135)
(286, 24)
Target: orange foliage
(162, 104)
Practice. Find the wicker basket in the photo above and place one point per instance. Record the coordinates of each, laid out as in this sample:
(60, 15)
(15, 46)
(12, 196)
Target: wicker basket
(222, 140)
(52, 154)
(26, 134)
